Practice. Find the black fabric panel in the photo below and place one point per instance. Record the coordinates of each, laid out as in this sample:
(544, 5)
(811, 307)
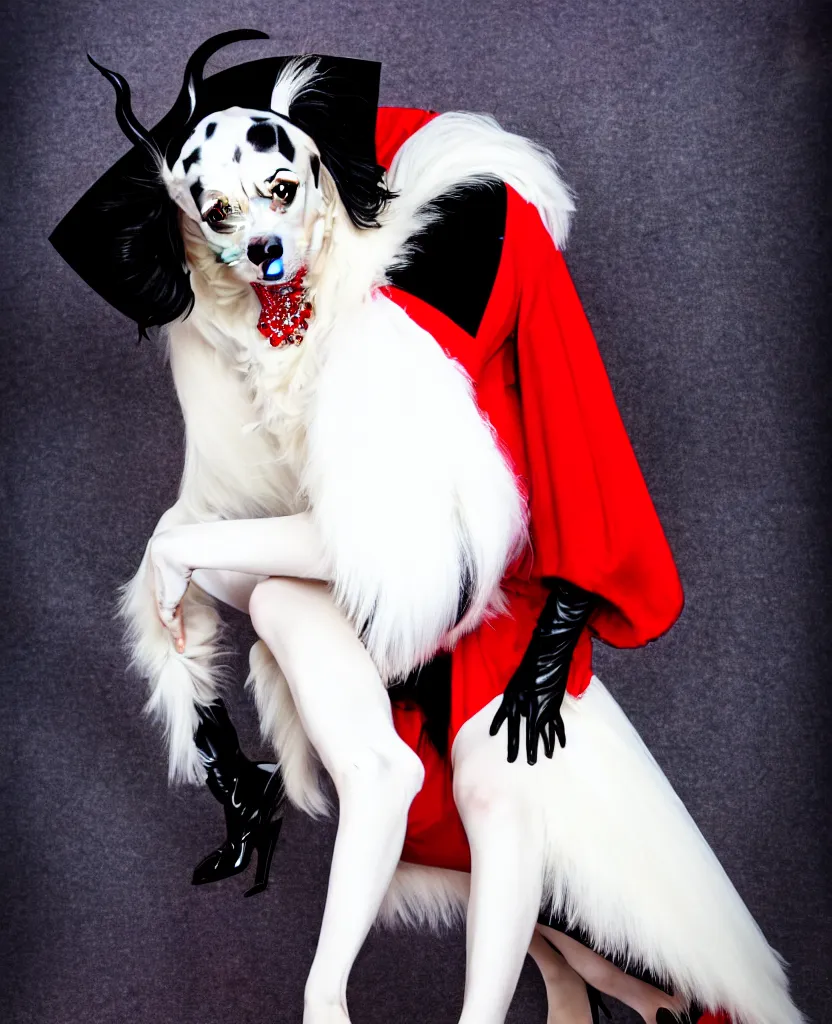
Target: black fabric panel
(429, 688)
(458, 255)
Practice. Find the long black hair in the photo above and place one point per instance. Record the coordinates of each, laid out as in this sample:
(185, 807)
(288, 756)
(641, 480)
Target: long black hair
(145, 241)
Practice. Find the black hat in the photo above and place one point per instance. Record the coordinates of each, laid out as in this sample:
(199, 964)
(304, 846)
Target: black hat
(122, 237)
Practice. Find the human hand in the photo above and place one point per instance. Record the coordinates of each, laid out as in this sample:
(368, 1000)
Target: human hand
(171, 579)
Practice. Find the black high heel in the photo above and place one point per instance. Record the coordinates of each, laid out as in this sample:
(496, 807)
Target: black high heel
(265, 844)
(252, 796)
(596, 1004)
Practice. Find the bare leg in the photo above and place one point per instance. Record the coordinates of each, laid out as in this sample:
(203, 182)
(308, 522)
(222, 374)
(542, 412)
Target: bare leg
(346, 714)
(506, 868)
(607, 978)
(565, 990)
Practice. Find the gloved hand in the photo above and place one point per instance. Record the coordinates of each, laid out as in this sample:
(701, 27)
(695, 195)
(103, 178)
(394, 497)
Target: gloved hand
(537, 688)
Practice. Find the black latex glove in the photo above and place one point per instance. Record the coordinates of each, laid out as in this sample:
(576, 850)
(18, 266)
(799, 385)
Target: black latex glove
(536, 690)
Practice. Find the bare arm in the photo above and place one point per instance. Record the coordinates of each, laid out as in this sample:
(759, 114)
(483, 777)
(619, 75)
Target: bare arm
(280, 546)
(231, 588)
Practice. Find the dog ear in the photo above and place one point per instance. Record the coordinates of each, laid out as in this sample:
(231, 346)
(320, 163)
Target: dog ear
(147, 242)
(123, 238)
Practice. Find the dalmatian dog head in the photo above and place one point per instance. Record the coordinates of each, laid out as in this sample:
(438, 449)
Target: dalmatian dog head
(252, 181)
(255, 188)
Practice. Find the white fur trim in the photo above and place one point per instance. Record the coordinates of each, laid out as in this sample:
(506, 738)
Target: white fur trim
(232, 470)
(455, 148)
(178, 682)
(407, 486)
(281, 726)
(627, 863)
(448, 153)
(425, 897)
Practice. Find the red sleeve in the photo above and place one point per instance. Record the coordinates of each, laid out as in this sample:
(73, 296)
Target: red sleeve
(592, 520)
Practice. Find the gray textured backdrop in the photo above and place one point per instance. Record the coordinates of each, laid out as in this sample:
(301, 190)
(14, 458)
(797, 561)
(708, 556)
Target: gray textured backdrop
(693, 133)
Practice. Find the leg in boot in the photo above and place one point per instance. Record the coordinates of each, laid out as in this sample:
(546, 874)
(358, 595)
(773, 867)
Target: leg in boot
(251, 795)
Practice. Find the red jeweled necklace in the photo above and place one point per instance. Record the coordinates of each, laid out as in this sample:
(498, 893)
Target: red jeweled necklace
(284, 311)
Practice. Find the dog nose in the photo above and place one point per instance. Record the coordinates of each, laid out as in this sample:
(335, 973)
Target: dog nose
(261, 250)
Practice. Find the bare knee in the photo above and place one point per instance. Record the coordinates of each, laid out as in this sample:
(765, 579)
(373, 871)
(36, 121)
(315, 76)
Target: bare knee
(483, 791)
(394, 774)
(477, 797)
(270, 603)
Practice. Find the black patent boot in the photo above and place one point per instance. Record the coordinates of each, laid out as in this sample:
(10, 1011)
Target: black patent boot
(252, 797)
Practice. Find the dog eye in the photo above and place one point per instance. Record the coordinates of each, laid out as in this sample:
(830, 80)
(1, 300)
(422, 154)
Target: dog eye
(283, 191)
(217, 212)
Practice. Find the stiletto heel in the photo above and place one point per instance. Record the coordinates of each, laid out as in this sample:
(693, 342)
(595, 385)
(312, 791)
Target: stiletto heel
(265, 851)
(596, 1004)
(252, 796)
